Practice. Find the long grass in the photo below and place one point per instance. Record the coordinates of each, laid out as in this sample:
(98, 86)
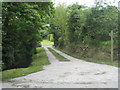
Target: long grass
(39, 60)
(107, 62)
(57, 55)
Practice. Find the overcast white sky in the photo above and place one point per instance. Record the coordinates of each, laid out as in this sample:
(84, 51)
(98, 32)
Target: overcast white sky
(83, 2)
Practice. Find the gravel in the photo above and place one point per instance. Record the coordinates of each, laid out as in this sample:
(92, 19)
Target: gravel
(72, 74)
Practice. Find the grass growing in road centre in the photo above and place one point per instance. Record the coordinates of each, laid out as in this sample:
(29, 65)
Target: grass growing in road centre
(58, 56)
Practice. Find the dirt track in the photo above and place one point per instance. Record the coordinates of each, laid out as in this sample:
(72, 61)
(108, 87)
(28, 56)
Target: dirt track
(73, 74)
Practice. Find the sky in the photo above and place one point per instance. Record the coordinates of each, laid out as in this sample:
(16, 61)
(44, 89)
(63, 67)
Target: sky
(88, 3)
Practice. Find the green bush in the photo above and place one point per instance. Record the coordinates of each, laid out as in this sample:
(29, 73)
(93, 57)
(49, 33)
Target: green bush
(22, 23)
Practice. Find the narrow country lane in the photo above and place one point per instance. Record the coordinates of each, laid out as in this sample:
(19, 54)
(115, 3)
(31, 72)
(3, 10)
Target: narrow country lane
(73, 74)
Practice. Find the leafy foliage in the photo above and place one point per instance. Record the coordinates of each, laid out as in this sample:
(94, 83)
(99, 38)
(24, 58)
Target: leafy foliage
(78, 24)
(22, 23)
(58, 25)
(80, 29)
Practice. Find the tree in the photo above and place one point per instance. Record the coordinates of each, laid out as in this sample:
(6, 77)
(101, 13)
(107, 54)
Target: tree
(59, 25)
(22, 23)
(75, 23)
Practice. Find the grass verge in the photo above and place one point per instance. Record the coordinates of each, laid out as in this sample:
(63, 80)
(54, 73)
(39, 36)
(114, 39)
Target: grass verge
(57, 55)
(47, 43)
(107, 62)
(39, 60)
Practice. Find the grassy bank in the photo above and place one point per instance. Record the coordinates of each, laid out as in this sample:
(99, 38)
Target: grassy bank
(57, 55)
(108, 62)
(39, 60)
(47, 43)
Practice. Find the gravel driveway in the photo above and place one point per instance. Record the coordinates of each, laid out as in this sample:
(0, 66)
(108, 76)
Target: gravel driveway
(72, 74)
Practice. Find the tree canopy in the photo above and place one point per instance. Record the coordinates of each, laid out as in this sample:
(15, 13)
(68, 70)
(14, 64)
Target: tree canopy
(78, 24)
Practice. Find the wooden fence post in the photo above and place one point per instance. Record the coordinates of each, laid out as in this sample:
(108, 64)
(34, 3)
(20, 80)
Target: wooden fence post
(111, 45)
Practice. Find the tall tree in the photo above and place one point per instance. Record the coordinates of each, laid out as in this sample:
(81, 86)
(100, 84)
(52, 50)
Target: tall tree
(59, 25)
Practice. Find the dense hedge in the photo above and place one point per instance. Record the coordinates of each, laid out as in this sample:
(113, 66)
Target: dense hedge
(21, 27)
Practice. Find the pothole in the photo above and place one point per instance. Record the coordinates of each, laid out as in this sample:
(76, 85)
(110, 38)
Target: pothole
(83, 73)
(67, 73)
(100, 73)
(62, 75)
